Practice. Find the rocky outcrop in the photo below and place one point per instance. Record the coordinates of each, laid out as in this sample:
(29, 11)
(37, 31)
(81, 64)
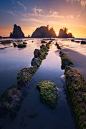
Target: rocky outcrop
(37, 53)
(65, 60)
(77, 88)
(17, 32)
(63, 33)
(83, 42)
(44, 32)
(58, 45)
(48, 93)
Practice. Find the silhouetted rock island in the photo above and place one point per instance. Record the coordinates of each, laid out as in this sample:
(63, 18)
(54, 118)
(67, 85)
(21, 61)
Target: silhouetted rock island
(63, 33)
(17, 32)
(44, 32)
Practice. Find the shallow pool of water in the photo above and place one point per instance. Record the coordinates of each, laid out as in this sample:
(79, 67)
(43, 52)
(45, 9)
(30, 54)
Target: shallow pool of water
(33, 114)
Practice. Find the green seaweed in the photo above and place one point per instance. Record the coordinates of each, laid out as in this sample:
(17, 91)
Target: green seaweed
(48, 93)
(21, 45)
(77, 88)
(6, 42)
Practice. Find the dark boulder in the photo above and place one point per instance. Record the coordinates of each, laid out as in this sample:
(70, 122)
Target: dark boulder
(35, 61)
(83, 42)
(24, 43)
(37, 53)
(14, 44)
(42, 46)
(43, 41)
(72, 40)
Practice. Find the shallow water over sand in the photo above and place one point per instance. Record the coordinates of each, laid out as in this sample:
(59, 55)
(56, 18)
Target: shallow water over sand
(33, 114)
(67, 43)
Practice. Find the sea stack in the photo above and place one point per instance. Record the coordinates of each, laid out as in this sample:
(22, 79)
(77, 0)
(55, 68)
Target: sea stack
(17, 32)
(44, 32)
(63, 33)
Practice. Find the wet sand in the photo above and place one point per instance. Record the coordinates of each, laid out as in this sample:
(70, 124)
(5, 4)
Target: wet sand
(78, 59)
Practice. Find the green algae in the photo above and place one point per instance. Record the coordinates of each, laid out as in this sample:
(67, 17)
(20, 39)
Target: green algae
(23, 76)
(21, 45)
(33, 69)
(48, 93)
(65, 60)
(77, 88)
(6, 41)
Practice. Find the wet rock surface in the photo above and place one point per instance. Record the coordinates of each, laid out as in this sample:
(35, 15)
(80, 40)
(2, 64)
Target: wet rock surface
(58, 45)
(77, 88)
(48, 93)
(65, 60)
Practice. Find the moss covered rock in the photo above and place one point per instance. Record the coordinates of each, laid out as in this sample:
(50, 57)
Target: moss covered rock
(11, 97)
(23, 76)
(77, 88)
(36, 61)
(65, 60)
(21, 45)
(48, 93)
(33, 69)
(6, 41)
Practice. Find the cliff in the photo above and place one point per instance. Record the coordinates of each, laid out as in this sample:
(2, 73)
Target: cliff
(17, 32)
(44, 32)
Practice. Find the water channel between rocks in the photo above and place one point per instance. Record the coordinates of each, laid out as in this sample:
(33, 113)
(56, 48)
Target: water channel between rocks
(33, 114)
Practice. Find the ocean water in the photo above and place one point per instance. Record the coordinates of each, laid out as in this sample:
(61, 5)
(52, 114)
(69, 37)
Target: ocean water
(67, 43)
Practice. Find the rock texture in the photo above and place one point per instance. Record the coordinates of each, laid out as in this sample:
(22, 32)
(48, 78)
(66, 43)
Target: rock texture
(48, 93)
(77, 88)
(17, 32)
(44, 32)
(65, 60)
(83, 42)
(63, 33)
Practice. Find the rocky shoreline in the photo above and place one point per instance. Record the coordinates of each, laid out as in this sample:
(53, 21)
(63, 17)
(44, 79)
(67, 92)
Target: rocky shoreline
(76, 86)
(13, 96)
(75, 83)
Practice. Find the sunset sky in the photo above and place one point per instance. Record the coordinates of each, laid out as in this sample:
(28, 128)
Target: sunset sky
(30, 14)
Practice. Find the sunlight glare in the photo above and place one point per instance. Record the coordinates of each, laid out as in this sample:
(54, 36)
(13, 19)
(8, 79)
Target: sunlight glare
(57, 33)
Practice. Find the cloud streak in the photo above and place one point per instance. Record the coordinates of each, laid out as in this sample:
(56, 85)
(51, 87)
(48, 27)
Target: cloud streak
(33, 19)
(22, 5)
(37, 13)
(9, 12)
(37, 10)
(82, 2)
